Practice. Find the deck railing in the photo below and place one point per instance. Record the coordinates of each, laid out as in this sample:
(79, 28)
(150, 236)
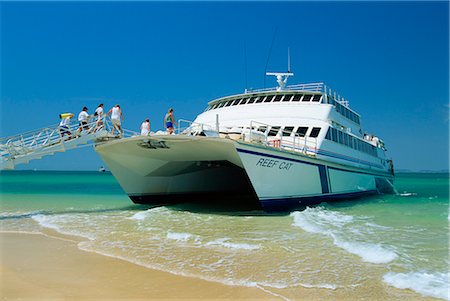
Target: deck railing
(310, 87)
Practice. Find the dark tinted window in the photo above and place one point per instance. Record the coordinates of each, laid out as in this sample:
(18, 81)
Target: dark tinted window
(277, 98)
(236, 101)
(268, 98)
(262, 129)
(307, 97)
(287, 130)
(328, 135)
(244, 101)
(260, 99)
(252, 100)
(314, 132)
(333, 134)
(274, 130)
(221, 104)
(287, 97)
(316, 97)
(297, 97)
(228, 103)
(301, 131)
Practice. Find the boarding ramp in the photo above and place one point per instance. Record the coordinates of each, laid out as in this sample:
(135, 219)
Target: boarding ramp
(36, 144)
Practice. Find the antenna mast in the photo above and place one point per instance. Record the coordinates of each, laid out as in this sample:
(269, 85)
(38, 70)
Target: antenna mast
(282, 77)
(289, 60)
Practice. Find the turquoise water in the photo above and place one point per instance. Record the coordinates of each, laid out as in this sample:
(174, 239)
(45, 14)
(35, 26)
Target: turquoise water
(396, 242)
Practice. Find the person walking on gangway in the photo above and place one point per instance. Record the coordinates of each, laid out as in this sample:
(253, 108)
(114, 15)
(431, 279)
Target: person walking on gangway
(116, 117)
(99, 114)
(169, 121)
(64, 125)
(145, 127)
(83, 120)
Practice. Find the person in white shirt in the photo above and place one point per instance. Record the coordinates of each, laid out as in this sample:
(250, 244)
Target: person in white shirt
(145, 127)
(83, 120)
(99, 114)
(64, 125)
(116, 117)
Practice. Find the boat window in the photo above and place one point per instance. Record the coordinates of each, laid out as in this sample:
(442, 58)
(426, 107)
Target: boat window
(215, 106)
(236, 101)
(307, 97)
(334, 134)
(274, 130)
(301, 131)
(287, 97)
(314, 132)
(228, 103)
(328, 134)
(262, 129)
(316, 97)
(244, 101)
(339, 136)
(252, 99)
(260, 99)
(278, 98)
(268, 98)
(221, 104)
(287, 131)
(297, 97)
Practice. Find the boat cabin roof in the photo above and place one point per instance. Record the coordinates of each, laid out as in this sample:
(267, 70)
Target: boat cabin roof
(302, 93)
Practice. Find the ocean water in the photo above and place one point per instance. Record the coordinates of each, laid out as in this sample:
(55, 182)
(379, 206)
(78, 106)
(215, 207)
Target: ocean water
(397, 244)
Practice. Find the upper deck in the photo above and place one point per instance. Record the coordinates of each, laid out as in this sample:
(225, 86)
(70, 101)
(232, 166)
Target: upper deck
(315, 93)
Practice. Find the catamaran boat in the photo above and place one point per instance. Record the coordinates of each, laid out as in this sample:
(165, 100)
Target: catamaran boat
(277, 149)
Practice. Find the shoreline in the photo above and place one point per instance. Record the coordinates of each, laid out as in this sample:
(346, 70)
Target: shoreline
(37, 266)
(50, 266)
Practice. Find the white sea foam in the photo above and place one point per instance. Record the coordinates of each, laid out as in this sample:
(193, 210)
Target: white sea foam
(139, 216)
(224, 243)
(51, 222)
(427, 284)
(407, 194)
(330, 223)
(369, 252)
(17, 214)
(179, 236)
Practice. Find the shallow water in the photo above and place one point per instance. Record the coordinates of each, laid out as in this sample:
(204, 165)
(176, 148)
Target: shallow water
(397, 241)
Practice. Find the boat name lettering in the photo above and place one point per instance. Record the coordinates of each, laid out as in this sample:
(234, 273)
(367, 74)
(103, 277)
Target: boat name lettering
(153, 144)
(273, 163)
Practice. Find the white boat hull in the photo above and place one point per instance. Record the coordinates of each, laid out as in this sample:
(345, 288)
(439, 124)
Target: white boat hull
(172, 169)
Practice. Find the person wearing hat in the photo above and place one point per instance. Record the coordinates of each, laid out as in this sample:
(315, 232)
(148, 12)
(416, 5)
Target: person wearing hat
(64, 125)
(83, 120)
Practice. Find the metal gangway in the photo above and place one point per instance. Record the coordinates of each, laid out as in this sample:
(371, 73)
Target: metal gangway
(32, 145)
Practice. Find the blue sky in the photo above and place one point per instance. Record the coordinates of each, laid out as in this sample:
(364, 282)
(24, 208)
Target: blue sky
(389, 59)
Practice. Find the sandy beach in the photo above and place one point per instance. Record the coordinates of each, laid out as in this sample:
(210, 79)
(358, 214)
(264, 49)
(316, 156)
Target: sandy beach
(50, 267)
(38, 267)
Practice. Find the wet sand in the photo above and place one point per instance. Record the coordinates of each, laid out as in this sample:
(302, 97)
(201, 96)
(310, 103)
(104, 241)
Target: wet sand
(51, 267)
(38, 267)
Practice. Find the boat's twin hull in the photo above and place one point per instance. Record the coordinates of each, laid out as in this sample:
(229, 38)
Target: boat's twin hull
(168, 169)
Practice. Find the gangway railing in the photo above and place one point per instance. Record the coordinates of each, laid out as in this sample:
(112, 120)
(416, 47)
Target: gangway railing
(22, 148)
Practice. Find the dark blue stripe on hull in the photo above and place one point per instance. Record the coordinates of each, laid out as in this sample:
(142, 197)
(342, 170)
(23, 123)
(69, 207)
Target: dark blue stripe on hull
(287, 204)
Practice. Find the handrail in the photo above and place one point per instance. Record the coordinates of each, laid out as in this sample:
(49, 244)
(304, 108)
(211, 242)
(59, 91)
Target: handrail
(192, 127)
(37, 140)
(311, 87)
